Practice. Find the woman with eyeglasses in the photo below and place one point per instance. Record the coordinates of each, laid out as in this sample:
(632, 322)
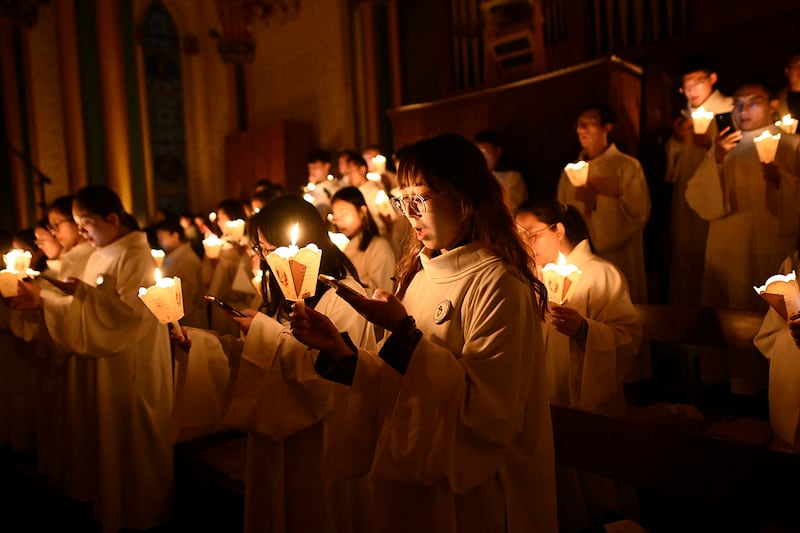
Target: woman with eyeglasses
(590, 341)
(278, 399)
(76, 250)
(122, 410)
(450, 418)
(371, 254)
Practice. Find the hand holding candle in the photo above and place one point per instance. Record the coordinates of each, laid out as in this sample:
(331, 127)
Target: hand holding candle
(17, 267)
(165, 300)
(212, 245)
(782, 294)
(234, 230)
(787, 124)
(296, 269)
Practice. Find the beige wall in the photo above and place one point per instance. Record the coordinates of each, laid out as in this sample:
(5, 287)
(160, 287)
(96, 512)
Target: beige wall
(302, 72)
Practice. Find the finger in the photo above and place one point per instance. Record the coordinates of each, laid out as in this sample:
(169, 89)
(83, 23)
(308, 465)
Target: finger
(381, 295)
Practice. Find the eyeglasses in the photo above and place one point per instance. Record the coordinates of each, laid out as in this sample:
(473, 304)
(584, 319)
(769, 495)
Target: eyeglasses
(412, 206)
(52, 228)
(262, 252)
(532, 235)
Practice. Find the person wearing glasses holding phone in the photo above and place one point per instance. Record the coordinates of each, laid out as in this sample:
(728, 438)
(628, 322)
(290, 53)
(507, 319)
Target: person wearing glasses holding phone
(752, 207)
(590, 341)
(450, 419)
(292, 477)
(685, 151)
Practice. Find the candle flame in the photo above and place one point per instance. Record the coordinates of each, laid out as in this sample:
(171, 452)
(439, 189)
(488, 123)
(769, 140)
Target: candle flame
(294, 232)
(381, 197)
(787, 119)
(157, 275)
(212, 216)
(562, 260)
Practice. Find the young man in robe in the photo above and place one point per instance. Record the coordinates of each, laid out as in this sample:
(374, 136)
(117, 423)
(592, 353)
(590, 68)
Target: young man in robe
(321, 184)
(752, 207)
(182, 261)
(354, 169)
(685, 150)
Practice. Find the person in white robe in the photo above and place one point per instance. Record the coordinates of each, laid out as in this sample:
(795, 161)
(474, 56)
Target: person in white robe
(371, 254)
(779, 341)
(355, 173)
(686, 149)
(450, 418)
(752, 207)
(280, 401)
(181, 261)
(789, 96)
(591, 339)
(511, 180)
(322, 185)
(614, 201)
(128, 393)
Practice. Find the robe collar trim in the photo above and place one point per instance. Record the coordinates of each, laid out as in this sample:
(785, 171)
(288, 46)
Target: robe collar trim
(456, 263)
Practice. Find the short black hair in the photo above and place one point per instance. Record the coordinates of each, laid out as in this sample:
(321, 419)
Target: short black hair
(320, 156)
(696, 63)
(757, 80)
(488, 137)
(351, 156)
(606, 112)
(171, 224)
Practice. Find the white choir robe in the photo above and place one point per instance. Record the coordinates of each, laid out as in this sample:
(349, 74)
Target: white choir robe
(370, 189)
(375, 265)
(233, 262)
(514, 187)
(745, 239)
(591, 377)
(688, 232)
(774, 340)
(184, 263)
(128, 396)
(277, 397)
(463, 441)
(616, 223)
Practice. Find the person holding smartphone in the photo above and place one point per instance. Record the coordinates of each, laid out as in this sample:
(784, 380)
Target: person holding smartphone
(292, 476)
(450, 418)
(686, 149)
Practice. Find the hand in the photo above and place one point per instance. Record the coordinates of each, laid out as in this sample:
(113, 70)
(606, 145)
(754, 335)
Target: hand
(184, 343)
(566, 320)
(383, 309)
(681, 128)
(725, 142)
(772, 174)
(27, 298)
(316, 330)
(387, 220)
(243, 322)
(794, 327)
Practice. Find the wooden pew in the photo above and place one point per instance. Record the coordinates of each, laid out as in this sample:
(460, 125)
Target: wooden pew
(729, 465)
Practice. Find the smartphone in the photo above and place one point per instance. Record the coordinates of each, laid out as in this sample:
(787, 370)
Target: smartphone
(65, 285)
(224, 306)
(339, 286)
(725, 120)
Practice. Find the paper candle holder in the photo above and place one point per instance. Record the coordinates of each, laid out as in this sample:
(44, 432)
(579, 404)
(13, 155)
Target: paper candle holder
(8, 283)
(382, 203)
(296, 270)
(701, 120)
(787, 124)
(379, 164)
(17, 260)
(213, 246)
(767, 146)
(560, 280)
(164, 299)
(234, 230)
(339, 239)
(158, 257)
(782, 293)
(577, 173)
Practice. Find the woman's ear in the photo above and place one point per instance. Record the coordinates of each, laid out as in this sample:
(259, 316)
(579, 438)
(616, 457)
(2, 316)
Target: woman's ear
(561, 231)
(113, 219)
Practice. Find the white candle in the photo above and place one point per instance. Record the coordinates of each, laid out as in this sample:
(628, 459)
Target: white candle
(17, 260)
(379, 164)
(701, 119)
(577, 173)
(767, 146)
(339, 239)
(373, 176)
(787, 124)
(212, 216)
(234, 230)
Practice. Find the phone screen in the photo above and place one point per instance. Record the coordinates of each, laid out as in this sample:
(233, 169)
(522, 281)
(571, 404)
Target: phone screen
(725, 120)
(224, 305)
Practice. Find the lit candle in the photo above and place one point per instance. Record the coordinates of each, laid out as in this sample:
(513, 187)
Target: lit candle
(560, 279)
(577, 173)
(308, 198)
(767, 146)
(212, 216)
(379, 164)
(258, 276)
(17, 260)
(158, 257)
(373, 176)
(296, 269)
(234, 230)
(339, 239)
(701, 119)
(382, 203)
(212, 245)
(787, 124)
(165, 300)
(782, 294)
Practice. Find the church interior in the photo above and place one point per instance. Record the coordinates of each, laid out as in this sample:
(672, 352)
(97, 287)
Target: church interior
(178, 104)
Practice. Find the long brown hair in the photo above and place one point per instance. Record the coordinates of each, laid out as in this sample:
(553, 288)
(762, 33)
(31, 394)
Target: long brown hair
(451, 163)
